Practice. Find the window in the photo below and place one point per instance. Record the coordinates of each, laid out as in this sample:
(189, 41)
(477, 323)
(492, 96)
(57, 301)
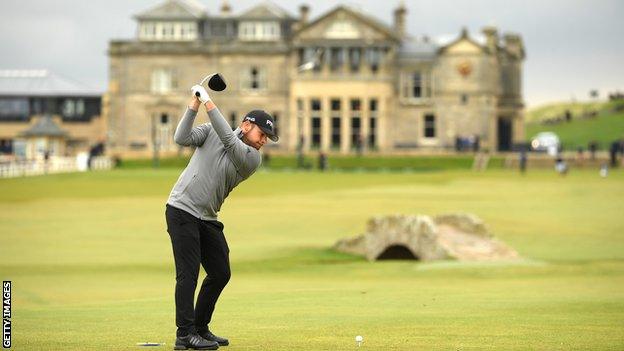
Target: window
(372, 124)
(316, 132)
(148, 31)
(335, 105)
(429, 126)
(163, 81)
(335, 123)
(69, 108)
(336, 58)
(464, 99)
(356, 141)
(168, 31)
(315, 105)
(356, 138)
(373, 58)
(259, 31)
(254, 79)
(319, 60)
(162, 131)
(372, 136)
(80, 107)
(372, 105)
(335, 133)
(6, 146)
(36, 105)
(355, 59)
(14, 108)
(416, 85)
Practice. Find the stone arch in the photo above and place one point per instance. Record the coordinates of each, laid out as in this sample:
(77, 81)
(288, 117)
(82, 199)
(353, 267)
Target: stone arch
(397, 252)
(449, 236)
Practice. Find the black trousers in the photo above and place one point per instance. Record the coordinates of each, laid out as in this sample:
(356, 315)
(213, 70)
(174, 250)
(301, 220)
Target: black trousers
(196, 242)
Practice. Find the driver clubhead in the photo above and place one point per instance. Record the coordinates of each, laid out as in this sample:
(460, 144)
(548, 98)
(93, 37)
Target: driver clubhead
(215, 82)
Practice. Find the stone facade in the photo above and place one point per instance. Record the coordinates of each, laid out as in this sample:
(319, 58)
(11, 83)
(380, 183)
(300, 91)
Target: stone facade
(370, 85)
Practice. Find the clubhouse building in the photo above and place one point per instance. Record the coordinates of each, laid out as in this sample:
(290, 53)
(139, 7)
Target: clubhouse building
(338, 83)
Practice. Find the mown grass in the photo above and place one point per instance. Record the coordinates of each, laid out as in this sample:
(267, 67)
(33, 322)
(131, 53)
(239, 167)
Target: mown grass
(92, 266)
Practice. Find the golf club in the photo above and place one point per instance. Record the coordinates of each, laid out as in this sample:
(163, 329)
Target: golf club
(215, 82)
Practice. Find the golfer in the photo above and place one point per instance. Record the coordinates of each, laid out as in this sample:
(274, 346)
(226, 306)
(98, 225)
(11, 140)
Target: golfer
(222, 159)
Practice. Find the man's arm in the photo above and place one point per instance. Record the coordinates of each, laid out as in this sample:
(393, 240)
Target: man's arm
(185, 134)
(246, 159)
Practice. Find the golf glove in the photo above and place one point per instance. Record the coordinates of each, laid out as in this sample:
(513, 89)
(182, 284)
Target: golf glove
(201, 93)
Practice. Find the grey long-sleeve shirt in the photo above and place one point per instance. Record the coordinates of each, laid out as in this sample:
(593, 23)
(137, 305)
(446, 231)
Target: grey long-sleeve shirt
(220, 162)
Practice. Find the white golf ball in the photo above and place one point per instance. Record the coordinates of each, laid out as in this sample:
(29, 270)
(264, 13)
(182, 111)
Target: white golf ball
(359, 338)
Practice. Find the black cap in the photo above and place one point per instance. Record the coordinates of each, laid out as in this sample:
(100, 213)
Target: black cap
(263, 120)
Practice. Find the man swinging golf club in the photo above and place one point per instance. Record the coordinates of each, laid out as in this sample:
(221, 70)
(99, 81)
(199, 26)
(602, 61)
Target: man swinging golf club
(222, 159)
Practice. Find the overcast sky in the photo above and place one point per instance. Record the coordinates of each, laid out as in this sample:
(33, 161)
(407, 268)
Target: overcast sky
(572, 46)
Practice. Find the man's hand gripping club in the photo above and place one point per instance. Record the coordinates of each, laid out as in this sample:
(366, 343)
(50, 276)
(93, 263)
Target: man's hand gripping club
(200, 95)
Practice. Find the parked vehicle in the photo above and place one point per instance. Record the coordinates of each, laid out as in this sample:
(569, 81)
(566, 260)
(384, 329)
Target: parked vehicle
(546, 141)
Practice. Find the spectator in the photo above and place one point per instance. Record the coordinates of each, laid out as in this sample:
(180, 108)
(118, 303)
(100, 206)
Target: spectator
(580, 157)
(613, 151)
(523, 161)
(561, 166)
(604, 170)
(475, 145)
(322, 161)
(593, 146)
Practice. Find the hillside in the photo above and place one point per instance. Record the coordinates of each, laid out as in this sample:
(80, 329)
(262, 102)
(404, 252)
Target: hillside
(603, 122)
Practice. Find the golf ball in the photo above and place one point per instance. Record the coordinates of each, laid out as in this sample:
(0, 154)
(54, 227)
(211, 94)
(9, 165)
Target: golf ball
(359, 338)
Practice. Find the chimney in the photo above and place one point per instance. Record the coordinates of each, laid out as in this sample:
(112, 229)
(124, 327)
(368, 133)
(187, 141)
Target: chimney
(226, 9)
(464, 33)
(491, 38)
(513, 44)
(399, 19)
(304, 14)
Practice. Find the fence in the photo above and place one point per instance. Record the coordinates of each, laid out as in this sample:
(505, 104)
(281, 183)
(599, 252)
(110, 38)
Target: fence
(53, 165)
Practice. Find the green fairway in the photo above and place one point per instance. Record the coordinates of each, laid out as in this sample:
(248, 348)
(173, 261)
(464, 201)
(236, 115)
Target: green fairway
(92, 266)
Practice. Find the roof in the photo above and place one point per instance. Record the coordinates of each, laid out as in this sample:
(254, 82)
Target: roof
(41, 82)
(479, 42)
(358, 14)
(369, 18)
(45, 126)
(266, 10)
(174, 9)
(418, 49)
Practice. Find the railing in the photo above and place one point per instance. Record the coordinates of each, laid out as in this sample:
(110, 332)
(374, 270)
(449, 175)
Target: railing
(80, 163)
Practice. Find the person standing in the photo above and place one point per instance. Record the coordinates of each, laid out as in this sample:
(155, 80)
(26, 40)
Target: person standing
(523, 161)
(222, 159)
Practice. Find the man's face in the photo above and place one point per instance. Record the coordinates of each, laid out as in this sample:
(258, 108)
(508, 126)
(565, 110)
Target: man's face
(253, 135)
